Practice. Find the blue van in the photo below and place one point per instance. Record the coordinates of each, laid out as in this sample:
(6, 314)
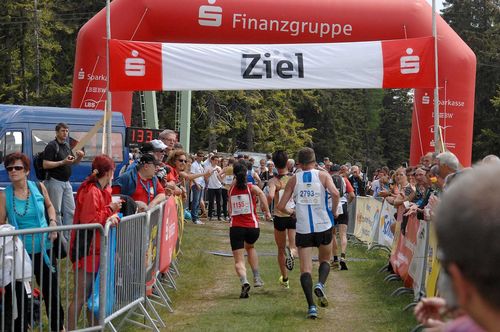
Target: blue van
(30, 128)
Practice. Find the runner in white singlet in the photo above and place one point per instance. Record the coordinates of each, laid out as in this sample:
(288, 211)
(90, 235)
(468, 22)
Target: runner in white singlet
(314, 223)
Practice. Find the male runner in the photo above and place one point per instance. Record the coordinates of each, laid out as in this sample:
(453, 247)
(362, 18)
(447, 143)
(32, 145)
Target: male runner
(314, 223)
(284, 223)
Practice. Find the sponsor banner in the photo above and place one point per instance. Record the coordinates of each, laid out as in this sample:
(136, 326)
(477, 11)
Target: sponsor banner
(178, 66)
(169, 234)
(374, 233)
(180, 224)
(402, 255)
(367, 214)
(351, 212)
(387, 219)
(417, 265)
(433, 265)
(152, 251)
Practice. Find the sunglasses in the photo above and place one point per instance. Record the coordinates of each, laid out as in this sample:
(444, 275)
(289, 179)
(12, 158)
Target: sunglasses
(11, 168)
(182, 160)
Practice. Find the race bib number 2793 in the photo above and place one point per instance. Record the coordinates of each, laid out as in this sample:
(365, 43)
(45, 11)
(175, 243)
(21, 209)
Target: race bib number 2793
(309, 193)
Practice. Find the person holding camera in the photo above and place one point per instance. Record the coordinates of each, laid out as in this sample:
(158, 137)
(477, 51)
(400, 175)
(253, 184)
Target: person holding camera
(57, 160)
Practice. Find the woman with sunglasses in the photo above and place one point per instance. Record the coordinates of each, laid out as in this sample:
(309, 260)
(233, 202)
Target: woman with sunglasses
(177, 162)
(24, 203)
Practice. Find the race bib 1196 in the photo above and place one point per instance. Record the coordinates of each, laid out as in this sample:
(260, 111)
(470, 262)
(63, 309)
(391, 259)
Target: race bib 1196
(240, 204)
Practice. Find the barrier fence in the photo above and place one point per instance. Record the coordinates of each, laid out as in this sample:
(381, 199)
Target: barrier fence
(411, 243)
(116, 275)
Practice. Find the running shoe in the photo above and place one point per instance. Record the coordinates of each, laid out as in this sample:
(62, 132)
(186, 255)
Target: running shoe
(244, 291)
(258, 282)
(289, 260)
(334, 264)
(319, 290)
(312, 313)
(343, 265)
(199, 222)
(284, 284)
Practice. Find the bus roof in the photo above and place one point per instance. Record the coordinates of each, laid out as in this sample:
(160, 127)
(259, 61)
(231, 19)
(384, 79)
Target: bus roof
(52, 115)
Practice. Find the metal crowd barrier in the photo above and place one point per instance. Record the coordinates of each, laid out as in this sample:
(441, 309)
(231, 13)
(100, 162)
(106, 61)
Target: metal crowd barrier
(126, 282)
(136, 284)
(38, 291)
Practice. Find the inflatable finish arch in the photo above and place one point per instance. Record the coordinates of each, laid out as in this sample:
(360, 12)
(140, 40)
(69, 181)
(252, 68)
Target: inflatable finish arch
(289, 21)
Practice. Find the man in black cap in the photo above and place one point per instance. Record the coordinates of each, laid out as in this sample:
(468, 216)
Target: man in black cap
(141, 183)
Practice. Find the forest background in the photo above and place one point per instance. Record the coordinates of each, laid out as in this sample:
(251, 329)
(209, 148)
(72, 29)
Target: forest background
(37, 49)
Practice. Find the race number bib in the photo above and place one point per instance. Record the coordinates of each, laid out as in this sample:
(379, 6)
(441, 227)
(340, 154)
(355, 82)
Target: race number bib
(309, 193)
(240, 204)
(229, 179)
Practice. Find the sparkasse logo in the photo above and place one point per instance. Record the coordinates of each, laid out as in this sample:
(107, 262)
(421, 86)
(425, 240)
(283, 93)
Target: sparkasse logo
(210, 16)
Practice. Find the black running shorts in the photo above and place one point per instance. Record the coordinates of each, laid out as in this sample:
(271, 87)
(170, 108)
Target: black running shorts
(240, 235)
(314, 239)
(343, 219)
(283, 223)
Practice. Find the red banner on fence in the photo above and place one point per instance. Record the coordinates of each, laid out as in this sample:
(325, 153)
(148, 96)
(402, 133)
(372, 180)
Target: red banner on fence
(402, 255)
(169, 234)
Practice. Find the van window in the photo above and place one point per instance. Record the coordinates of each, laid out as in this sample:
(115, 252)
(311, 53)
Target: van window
(11, 142)
(40, 139)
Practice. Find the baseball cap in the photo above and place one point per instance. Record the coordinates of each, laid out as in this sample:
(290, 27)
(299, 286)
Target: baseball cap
(158, 145)
(146, 148)
(335, 168)
(326, 158)
(148, 159)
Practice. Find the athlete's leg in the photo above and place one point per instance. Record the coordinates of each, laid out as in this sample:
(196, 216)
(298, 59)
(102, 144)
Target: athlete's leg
(239, 263)
(241, 271)
(253, 260)
(343, 239)
(334, 242)
(291, 242)
(305, 256)
(280, 238)
(324, 255)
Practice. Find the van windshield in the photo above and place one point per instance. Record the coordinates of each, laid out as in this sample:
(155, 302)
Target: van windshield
(40, 139)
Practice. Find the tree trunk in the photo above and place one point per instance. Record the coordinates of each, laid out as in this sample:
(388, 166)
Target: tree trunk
(212, 134)
(250, 128)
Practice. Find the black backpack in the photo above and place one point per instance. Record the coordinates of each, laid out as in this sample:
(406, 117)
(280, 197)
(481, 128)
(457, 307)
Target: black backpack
(40, 172)
(339, 183)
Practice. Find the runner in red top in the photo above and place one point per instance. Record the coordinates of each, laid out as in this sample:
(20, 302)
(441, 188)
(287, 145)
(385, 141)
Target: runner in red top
(244, 230)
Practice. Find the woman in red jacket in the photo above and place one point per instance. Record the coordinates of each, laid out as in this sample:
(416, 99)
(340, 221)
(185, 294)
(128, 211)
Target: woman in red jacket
(93, 205)
(244, 230)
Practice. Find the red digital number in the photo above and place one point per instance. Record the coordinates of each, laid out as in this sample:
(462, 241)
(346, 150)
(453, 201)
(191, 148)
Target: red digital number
(149, 135)
(140, 136)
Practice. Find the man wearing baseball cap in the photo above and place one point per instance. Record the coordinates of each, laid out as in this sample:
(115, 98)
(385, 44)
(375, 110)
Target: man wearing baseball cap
(141, 183)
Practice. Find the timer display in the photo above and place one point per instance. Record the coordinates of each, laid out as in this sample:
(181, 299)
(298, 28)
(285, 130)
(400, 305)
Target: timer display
(137, 136)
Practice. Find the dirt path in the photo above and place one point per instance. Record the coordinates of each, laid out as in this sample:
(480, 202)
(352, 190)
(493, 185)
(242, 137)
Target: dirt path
(343, 290)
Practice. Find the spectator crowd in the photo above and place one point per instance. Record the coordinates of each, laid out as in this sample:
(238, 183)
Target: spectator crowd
(229, 188)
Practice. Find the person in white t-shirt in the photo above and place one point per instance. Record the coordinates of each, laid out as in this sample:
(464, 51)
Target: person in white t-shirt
(198, 187)
(214, 187)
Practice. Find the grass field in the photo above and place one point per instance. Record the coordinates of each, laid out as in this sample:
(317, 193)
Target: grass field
(207, 298)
